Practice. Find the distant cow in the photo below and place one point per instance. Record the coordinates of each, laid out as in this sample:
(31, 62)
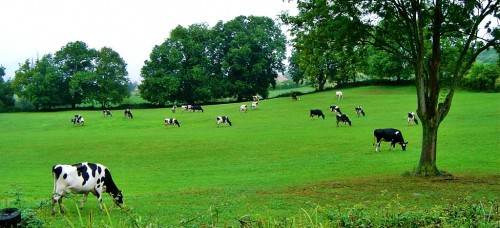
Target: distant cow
(223, 120)
(389, 135)
(171, 121)
(196, 108)
(106, 112)
(412, 118)
(316, 112)
(343, 118)
(255, 98)
(174, 107)
(294, 97)
(243, 108)
(359, 111)
(78, 120)
(83, 178)
(335, 108)
(128, 113)
(254, 104)
(339, 95)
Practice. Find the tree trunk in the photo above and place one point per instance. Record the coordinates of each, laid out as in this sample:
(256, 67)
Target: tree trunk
(427, 165)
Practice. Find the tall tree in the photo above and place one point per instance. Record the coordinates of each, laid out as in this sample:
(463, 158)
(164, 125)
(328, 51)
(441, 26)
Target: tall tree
(253, 50)
(72, 58)
(6, 92)
(439, 38)
(110, 78)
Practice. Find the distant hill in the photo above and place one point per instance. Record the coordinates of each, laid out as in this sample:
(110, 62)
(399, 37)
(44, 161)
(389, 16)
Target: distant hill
(489, 56)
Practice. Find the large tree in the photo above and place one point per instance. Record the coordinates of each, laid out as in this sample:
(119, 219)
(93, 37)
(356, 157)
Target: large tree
(440, 39)
(111, 78)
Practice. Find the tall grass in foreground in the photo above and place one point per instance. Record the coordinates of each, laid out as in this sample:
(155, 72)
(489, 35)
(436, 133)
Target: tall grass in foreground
(273, 165)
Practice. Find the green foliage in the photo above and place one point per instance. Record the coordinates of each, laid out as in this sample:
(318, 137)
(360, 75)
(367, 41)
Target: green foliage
(6, 92)
(483, 77)
(29, 215)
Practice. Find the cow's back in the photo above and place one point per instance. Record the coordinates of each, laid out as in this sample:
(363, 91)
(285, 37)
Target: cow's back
(78, 178)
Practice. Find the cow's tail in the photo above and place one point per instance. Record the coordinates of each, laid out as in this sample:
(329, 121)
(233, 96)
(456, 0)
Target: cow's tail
(416, 121)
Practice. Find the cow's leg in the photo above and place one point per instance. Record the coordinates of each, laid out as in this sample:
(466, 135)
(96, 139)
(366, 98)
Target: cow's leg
(84, 199)
(57, 198)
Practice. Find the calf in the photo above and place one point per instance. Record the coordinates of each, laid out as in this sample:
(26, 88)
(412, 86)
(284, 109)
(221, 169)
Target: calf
(412, 118)
(316, 112)
(106, 112)
(359, 111)
(335, 108)
(243, 108)
(343, 118)
(223, 120)
(171, 121)
(339, 95)
(254, 104)
(127, 113)
(389, 135)
(83, 178)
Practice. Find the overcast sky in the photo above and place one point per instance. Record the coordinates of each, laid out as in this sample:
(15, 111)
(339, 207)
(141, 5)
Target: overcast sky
(130, 27)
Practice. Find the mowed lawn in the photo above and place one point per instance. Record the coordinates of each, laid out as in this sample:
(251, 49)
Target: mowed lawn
(274, 162)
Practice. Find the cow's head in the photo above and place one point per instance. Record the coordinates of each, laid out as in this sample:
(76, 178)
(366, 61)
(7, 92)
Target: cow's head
(403, 145)
(117, 197)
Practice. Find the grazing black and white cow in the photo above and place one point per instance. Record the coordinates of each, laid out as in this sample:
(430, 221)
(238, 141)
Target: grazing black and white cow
(83, 178)
(174, 107)
(339, 95)
(243, 108)
(389, 135)
(223, 120)
(359, 111)
(78, 120)
(294, 97)
(335, 109)
(343, 118)
(172, 121)
(316, 112)
(128, 113)
(196, 108)
(412, 118)
(255, 98)
(106, 112)
(254, 104)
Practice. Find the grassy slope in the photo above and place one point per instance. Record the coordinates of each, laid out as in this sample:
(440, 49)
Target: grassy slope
(274, 160)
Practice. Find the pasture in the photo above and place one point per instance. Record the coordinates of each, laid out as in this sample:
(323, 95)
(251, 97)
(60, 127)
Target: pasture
(273, 163)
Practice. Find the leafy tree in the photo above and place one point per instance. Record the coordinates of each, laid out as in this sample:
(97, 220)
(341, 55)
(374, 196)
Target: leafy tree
(383, 65)
(252, 51)
(72, 58)
(483, 77)
(6, 92)
(110, 78)
(40, 83)
(440, 39)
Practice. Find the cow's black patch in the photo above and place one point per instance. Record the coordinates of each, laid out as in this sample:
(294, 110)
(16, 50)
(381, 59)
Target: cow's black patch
(65, 175)
(93, 167)
(57, 170)
(98, 181)
(99, 170)
(82, 171)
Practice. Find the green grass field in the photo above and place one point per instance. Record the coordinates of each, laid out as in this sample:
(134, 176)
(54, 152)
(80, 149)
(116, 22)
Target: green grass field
(274, 162)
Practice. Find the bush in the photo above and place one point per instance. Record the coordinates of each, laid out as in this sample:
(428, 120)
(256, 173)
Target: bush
(483, 77)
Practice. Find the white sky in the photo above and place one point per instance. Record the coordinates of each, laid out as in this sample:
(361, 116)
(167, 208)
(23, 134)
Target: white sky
(130, 27)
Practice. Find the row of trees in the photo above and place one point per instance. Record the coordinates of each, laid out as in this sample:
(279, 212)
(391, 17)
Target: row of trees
(74, 75)
(236, 59)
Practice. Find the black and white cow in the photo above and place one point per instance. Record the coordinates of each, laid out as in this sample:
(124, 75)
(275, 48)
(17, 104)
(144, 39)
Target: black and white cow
(254, 104)
(335, 109)
(78, 120)
(316, 112)
(83, 178)
(174, 107)
(196, 108)
(412, 118)
(343, 118)
(128, 113)
(339, 95)
(243, 108)
(172, 121)
(223, 120)
(256, 98)
(186, 108)
(359, 111)
(389, 135)
(106, 112)
(294, 97)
